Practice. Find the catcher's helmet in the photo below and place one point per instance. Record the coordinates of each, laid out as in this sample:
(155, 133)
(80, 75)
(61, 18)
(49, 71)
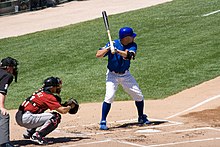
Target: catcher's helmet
(11, 62)
(126, 31)
(52, 82)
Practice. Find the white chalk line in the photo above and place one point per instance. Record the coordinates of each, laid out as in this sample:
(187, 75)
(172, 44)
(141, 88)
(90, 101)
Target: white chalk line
(170, 132)
(161, 133)
(173, 143)
(185, 130)
(119, 121)
(166, 144)
(172, 123)
(130, 143)
(139, 145)
(195, 106)
(94, 124)
(184, 142)
(88, 143)
(211, 13)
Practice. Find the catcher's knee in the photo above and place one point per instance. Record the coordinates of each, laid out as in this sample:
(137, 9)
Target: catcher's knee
(55, 119)
(50, 124)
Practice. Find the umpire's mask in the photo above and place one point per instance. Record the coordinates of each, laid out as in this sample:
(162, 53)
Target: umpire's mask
(11, 62)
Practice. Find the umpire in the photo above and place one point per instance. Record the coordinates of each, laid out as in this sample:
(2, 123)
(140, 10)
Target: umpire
(8, 69)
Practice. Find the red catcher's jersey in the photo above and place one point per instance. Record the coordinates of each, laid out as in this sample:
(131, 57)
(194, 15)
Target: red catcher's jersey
(40, 102)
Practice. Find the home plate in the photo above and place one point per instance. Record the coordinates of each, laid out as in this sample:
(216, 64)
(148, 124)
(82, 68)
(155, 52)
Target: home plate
(148, 131)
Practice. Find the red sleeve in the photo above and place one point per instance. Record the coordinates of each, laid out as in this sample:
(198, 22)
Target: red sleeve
(52, 103)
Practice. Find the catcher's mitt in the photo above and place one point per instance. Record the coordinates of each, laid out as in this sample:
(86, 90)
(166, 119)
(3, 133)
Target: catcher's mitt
(74, 105)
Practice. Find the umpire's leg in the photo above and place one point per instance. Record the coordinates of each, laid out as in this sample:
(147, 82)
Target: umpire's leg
(4, 128)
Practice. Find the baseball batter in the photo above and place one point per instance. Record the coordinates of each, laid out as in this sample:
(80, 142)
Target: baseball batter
(8, 69)
(32, 115)
(118, 73)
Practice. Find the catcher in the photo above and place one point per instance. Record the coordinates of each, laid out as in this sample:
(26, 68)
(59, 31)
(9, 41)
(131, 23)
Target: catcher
(32, 115)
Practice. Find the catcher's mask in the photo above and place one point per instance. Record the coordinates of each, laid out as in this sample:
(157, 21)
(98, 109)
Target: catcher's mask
(53, 82)
(10, 62)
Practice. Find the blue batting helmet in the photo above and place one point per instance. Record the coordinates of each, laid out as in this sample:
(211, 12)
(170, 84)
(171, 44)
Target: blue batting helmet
(126, 31)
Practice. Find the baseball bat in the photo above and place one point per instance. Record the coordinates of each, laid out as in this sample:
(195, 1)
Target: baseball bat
(105, 18)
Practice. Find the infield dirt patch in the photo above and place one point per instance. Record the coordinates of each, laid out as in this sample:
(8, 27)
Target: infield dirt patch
(199, 126)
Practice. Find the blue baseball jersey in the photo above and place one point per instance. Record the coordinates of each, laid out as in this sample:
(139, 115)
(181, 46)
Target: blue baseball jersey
(116, 62)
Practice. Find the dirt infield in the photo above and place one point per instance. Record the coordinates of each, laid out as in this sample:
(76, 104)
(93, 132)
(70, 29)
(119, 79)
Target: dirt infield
(189, 118)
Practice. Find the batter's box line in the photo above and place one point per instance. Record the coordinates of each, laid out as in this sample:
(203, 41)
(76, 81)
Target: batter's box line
(88, 143)
(154, 145)
(170, 123)
(168, 144)
(184, 130)
(130, 121)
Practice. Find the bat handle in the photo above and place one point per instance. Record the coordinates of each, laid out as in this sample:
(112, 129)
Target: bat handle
(112, 48)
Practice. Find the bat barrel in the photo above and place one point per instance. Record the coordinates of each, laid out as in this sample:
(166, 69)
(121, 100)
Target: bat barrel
(105, 18)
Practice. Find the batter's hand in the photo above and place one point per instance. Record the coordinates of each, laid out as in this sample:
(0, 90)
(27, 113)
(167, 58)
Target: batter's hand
(3, 111)
(108, 47)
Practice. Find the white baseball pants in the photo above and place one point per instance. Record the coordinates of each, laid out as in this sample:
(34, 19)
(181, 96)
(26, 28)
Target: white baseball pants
(128, 83)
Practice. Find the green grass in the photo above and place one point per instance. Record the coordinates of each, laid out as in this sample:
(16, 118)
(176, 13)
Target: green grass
(177, 49)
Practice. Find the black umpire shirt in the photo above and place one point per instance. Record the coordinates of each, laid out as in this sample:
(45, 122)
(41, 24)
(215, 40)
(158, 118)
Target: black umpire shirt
(5, 80)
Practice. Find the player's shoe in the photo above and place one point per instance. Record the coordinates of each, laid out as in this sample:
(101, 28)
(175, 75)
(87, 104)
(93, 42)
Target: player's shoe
(103, 125)
(26, 136)
(28, 133)
(143, 119)
(38, 139)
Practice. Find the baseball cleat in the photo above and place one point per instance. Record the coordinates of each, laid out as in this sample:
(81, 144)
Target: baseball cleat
(103, 125)
(143, 119)
(28, 133)
(38, 139)
(26, 136)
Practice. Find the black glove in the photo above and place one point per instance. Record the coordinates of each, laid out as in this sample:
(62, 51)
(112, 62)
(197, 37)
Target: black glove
(74, 105)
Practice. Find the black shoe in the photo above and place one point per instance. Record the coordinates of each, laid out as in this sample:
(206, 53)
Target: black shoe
(26, 136)
(38, 139)
(8, 144)
(28, 133)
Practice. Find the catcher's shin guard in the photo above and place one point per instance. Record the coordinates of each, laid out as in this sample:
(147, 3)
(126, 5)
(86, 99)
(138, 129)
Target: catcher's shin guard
(50, 125)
